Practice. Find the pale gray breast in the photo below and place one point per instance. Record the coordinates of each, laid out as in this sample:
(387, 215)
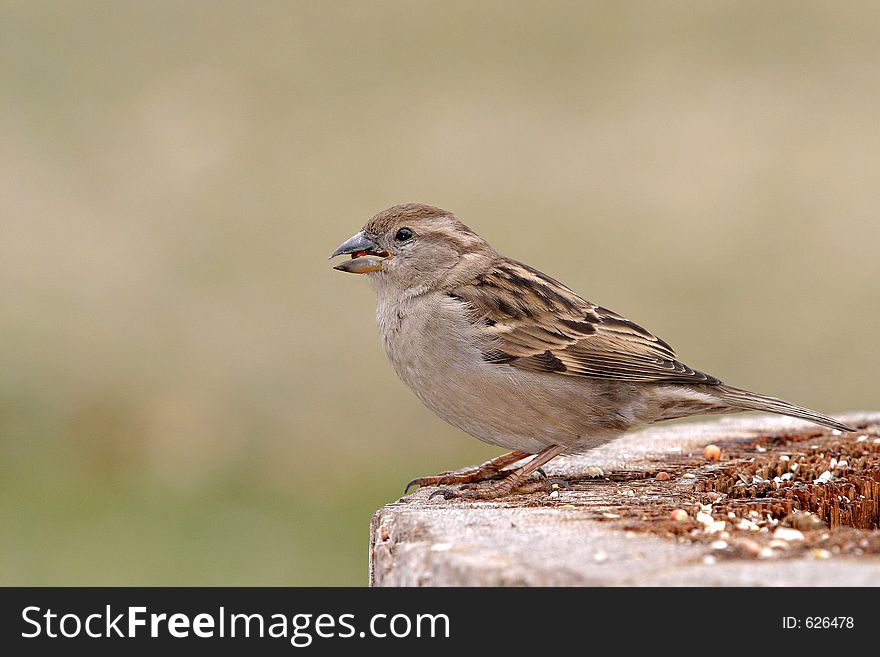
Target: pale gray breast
(430, 341)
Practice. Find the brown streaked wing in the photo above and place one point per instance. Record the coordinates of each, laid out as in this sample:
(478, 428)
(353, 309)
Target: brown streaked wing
(538, 324)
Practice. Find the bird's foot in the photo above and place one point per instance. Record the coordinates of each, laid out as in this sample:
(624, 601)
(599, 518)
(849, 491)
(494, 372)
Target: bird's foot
(474, 491)
(492, 469)
(516, 481)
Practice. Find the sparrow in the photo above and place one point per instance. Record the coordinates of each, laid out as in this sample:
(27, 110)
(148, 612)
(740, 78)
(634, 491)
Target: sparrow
(515, 358)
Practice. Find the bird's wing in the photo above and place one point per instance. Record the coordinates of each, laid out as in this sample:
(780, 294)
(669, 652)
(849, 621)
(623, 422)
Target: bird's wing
(536, 323)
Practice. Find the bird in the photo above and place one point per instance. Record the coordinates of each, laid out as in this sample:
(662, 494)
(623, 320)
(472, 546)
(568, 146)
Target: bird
(517, 359)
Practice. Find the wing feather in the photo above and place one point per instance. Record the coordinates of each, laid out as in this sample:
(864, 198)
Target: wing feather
(536, 323)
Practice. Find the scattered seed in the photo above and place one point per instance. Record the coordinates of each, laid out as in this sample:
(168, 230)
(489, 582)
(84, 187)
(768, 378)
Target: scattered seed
(679, 515)
(705, 518)
(750, 547)
(747, 525)
(788, 534)
(825, 477)
(712, 452)
(662, 476)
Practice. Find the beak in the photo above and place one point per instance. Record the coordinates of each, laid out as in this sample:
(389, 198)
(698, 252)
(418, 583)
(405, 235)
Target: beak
(366, 255)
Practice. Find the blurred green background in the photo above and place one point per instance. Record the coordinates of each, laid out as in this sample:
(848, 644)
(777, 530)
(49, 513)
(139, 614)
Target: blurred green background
(189, 394)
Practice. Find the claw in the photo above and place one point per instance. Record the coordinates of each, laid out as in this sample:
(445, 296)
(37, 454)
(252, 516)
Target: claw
(445, 493)
(421, 482)
(550, 482)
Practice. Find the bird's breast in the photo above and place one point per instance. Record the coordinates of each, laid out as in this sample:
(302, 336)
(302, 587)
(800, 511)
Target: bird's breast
(428, 340)
(435, 349)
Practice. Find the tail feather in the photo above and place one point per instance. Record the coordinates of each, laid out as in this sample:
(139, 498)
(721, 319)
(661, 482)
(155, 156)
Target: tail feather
(752, 401)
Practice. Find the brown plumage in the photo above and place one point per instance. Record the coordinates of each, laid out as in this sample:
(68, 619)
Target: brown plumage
(564, 333)
(513, 356)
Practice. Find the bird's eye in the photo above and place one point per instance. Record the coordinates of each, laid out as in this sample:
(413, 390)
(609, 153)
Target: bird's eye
(403, 235)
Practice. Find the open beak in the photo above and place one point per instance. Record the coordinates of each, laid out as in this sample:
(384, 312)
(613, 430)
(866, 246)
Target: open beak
(366, 255)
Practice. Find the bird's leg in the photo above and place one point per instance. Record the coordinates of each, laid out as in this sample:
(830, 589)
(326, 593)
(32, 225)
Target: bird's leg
(491, 469)
(513, 482)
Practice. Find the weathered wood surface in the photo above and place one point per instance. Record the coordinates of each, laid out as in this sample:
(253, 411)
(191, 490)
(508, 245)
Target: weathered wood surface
(616, 530)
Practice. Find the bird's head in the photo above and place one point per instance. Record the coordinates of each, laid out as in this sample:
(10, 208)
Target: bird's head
(415, 247)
